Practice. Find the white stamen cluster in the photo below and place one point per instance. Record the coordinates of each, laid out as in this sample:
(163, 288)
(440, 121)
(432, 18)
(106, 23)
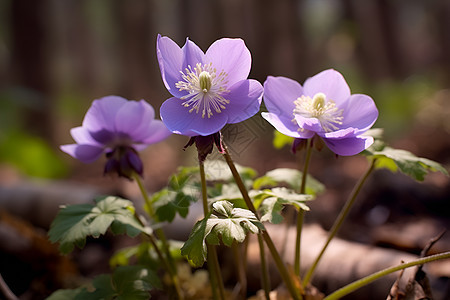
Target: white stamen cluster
(325, 111)
(205, 89)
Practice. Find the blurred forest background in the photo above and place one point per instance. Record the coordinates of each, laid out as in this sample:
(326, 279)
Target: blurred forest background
(57, 56)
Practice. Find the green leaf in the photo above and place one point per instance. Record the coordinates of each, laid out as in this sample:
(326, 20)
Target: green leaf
(177, 196)
(280, 140)
(229, 192)
(145, 254)
(405, 162)
(195, 247)
(226, 224)
(127, 282)
(292, 178)
(167, 203)
(270, 203)
(76, 222)
(68, 294)
(184, 176)
(231, 223)
(122, 256)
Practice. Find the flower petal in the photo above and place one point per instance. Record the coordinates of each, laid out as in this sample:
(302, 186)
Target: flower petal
(85, 153)
(279, 96)
(292, 130)
(102, 114)
(231, 56)
(158, 132)
(349, 146)
(82, 136)
(245, 99)
(340, 134)
(192, 55)
(329, 82)
(312, 124)
(134, 119)
(359, 112)
(179, 120)
(170, 59)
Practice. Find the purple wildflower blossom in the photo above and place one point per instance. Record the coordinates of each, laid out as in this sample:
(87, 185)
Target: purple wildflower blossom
(119, 128)
(209, 89)
(324, 107)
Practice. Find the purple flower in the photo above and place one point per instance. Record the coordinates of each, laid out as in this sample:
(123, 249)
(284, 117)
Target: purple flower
(322, 107)
(119, 128)
(209, 89)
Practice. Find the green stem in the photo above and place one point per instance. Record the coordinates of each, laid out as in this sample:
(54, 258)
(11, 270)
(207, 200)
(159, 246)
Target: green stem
(265, 279)
(164, 261)
(213, 261)
(239, 182)
(273, 251)
(159, 232)
(339, 220)
(204, 191)
(368, 279)
(144, 193)
(298, 240)
(306, 165)
(301, 213)
(168, 261)
(212, 275)
(174, 279)
(240, 268)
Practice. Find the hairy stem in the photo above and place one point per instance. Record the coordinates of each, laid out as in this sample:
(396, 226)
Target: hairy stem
(369, 279)
(339, 220)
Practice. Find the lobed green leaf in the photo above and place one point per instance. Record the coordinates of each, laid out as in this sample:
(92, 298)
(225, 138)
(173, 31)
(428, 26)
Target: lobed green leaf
(270, 203)
(195, 247)
(74, 223)
(168, 203)
(292, 178)
(126, 282)
(226, 224)
(232, 224)
(405, 162)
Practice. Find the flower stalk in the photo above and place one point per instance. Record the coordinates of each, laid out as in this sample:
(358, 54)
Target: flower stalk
(369, 279)
(159, 232)
(213, 261)
(339, 220)
(240, 268)
(265, 279)
(274, 252)
(167, 259)
(301, 212)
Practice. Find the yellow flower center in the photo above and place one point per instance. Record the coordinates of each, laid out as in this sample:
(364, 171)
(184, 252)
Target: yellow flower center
(318, 107)
(205, 81)
(205, 89)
